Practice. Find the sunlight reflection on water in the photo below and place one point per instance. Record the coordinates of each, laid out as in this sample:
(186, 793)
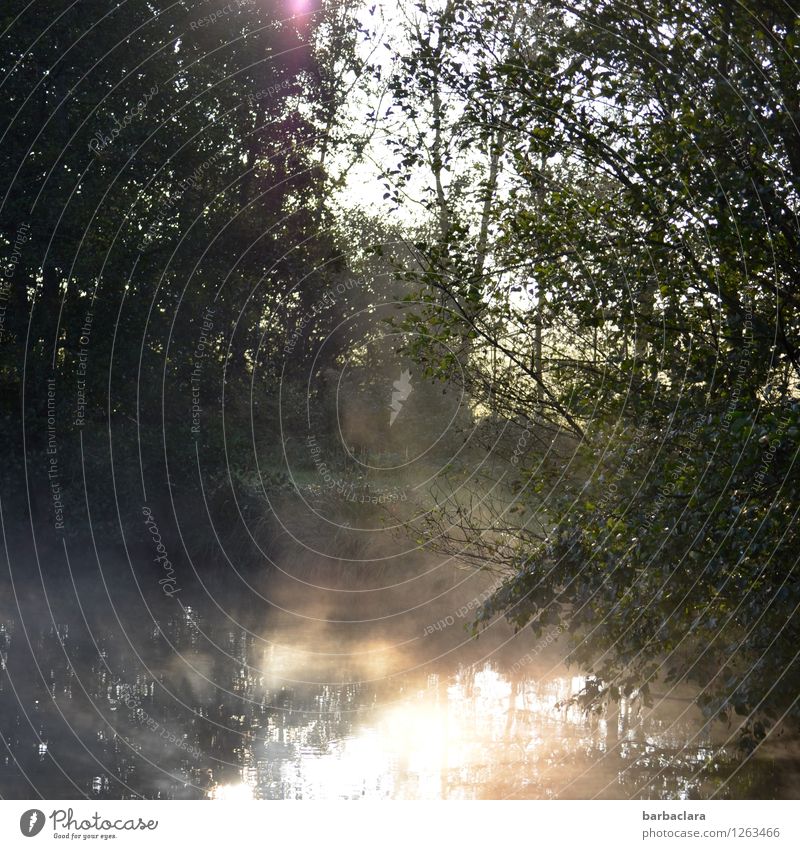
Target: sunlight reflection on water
(300, 716)
(232, 793)
(478, 734)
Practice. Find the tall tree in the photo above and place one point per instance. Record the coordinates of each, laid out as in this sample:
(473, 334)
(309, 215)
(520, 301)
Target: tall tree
(649, 379)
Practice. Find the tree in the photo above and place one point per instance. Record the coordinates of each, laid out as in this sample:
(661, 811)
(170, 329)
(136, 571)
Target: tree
(649, 197)
(159, 173)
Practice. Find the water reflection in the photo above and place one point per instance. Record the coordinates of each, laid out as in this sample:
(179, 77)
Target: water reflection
(198, 709)
(472, 735)
(232, 793)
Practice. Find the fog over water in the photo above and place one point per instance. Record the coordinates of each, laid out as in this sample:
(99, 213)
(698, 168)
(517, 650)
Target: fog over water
(335, 680)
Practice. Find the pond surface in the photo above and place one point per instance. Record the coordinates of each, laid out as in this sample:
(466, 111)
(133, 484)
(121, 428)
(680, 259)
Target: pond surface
(195, 705)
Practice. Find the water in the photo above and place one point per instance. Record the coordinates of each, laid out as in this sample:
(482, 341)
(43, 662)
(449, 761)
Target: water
(195, 705)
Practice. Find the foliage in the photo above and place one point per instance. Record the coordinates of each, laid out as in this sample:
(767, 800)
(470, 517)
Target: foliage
(167, 185)
(623, 298)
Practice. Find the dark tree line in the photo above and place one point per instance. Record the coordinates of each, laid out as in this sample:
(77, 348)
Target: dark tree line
(164, 234)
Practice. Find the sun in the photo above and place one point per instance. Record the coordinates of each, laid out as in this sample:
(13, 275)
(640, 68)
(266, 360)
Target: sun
(301, 7)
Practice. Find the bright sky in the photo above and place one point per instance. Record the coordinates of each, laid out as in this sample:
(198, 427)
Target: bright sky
(385, 22)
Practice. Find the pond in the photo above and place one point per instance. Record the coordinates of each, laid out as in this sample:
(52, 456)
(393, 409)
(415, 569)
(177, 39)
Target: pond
(195, 703)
